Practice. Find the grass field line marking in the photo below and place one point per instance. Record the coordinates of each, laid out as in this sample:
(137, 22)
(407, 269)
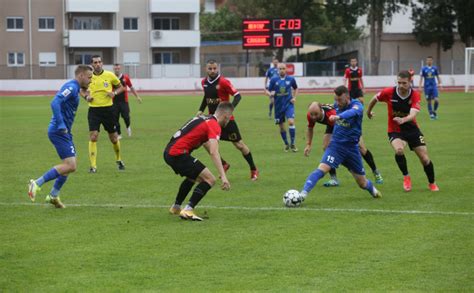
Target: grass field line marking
(340, 210)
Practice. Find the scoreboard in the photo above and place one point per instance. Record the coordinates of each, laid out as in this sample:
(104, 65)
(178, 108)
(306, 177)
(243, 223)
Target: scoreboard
(272, 33)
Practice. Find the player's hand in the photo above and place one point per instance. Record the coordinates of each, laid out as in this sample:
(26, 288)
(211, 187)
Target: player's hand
(370, 114)
(139, 100)
(111, 94)
(199, 113)
(225, 183)
(398, 120)
(293, 100)
(89, 98)
(307, 150)
(440, 87)
(333, 118)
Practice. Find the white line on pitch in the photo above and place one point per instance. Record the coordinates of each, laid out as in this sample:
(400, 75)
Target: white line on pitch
(340, 210)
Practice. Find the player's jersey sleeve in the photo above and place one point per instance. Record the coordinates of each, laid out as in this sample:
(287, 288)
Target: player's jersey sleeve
(384, 95)
(293, 83)
(422, 72)
(67, 91)
(310, 121)
(214, 130)
(360, 72)
(415, 100)
(127, 80)
(272, 84)
(436, 72)
(229, 88)
(268, 73)
(347, 73)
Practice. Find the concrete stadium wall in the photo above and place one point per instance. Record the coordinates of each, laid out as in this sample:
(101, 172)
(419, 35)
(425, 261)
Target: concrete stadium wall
(242, 84)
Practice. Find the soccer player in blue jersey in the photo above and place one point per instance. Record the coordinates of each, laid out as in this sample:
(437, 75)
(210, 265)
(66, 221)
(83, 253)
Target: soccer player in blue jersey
(64, 107)
(429, 74)
(283, 89)
(344, 146)
(271, 73)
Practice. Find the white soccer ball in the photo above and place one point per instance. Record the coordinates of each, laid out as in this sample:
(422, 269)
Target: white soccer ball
(292, 198)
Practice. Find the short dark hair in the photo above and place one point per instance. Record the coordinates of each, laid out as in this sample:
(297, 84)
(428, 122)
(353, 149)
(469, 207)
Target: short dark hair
(211, 61)
(354, 58)
(225, 107)
(404, 74)
(95, 56)
(117, 64)
(429, 57)
(341, 90)
(81, 69)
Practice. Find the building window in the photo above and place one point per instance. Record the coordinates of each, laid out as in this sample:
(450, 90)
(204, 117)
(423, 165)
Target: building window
(130, 24)
(87, 23)
(46, 24)
(47, 59)
(15, 24)
(166, 58)
(16, 59)
(130, 58)
(166, 23)
(84, 57)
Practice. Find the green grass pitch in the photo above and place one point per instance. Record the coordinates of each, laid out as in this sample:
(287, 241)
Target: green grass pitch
(116, 233)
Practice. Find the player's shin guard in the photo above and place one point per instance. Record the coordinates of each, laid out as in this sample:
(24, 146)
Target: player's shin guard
(312, 179)
(402, 164)
(93, 153)
(283, 136)
(51, 174)
(184, 189)
(370, 160)
(248, 157)
(116, 147)
(57, 185)
(429, 170)
(292, 130)
(198, 193)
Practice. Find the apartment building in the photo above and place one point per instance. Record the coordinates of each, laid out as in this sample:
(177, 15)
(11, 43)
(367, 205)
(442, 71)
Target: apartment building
(44, 39)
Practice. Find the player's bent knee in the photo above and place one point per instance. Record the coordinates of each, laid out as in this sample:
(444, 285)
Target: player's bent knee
(399, 151)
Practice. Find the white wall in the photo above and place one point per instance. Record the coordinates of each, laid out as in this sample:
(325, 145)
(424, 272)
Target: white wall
(192, 84)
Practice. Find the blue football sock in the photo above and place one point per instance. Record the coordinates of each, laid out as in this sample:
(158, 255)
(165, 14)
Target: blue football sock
(283, 136)
(312, 179)
(57, 185)
(48, 176)
(436, 104)
(430, 108)
(370, 187)
(292, 134)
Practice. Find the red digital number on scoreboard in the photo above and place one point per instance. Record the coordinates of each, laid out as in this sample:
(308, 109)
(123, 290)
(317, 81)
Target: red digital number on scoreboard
(287, 24)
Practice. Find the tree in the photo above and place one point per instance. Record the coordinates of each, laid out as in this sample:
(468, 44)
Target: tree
(464, 11)
(378, 13)
(434, 23)
(222, 25)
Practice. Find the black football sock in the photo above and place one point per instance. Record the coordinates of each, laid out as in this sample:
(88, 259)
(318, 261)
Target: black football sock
(198, 193)
(370, 160)
(402, 164)
(183, 191)
(332, 173)
(429, 170)
(249, 159)
(223, 161)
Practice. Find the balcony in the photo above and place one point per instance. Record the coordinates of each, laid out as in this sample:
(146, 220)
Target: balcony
(175, 38)
(107, 6)
(173, 6)
(92, 38)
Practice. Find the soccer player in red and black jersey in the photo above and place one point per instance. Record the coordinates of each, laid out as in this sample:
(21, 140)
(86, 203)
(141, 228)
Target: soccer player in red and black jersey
(320, 113)
(201, 130)
(403, 104)
(353, 81)
(217, 89)
(121, 100)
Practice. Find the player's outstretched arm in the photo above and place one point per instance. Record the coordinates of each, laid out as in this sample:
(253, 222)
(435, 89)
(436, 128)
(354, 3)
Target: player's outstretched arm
(410, 117)
(236, 100)
(371, 105)
(421, 82)
(309, 141)
(134, 92)
(212, 147)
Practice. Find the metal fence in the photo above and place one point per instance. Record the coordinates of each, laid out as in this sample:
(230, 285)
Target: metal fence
(240, 69)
